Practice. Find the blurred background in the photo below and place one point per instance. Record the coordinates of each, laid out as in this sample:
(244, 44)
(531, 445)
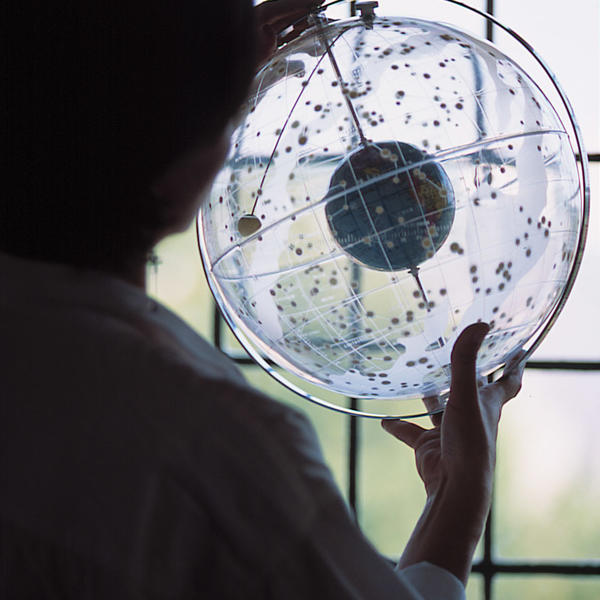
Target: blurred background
(543, 535)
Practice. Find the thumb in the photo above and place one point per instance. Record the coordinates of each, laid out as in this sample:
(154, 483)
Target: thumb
(463, 360)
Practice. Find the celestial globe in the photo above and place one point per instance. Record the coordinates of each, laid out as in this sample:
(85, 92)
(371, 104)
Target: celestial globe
(391, 181)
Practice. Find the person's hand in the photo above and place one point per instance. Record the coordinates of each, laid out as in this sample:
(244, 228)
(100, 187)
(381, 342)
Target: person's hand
(461, 448)
(274, 17)
(456, 458)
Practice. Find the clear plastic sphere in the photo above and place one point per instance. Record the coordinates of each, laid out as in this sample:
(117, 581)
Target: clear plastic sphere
(389, 184)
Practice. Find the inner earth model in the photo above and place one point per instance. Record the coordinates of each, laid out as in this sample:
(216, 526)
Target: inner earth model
(390, 182)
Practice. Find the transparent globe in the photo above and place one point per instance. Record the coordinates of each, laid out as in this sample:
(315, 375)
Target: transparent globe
(391, 181)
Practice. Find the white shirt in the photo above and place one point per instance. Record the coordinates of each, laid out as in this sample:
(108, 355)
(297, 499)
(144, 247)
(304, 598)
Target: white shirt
(135, 462)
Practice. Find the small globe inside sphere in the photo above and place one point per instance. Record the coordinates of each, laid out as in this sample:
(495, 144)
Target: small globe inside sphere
(386, 213)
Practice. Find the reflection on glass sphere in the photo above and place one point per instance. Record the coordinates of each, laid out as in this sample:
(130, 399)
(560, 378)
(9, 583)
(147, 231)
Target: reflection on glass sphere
(387, 186)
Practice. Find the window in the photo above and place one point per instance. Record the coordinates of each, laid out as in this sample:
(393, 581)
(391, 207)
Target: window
(542, 539)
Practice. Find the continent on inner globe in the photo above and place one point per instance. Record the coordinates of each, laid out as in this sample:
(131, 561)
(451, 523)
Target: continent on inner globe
(386, 213)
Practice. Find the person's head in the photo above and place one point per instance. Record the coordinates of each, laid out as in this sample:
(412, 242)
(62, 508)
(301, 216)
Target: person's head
(98, 100)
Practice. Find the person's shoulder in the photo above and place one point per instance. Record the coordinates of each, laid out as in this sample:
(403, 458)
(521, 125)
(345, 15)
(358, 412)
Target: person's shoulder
(227, 404)
(238, 445)
(229, 421)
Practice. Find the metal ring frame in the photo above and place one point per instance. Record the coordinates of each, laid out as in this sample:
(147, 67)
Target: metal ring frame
(545, 327)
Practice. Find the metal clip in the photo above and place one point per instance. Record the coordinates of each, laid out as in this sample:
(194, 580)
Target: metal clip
(367, 12)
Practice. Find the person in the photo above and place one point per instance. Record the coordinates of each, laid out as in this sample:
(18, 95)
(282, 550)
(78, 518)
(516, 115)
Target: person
(135, 460)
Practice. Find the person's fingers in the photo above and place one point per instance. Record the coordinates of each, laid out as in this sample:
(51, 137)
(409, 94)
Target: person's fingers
(273, 17)
(509, 384)
(463, 389)
(266, 44)
(406, 432)
(516, 360)
(270, 38)
(290, 35)
(296, 19)
(281, 13)
(437, 418)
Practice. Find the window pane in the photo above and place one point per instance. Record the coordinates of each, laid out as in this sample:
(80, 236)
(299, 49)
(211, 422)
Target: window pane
(516, 587)
(547, 485)
(391, 495)
(436, 10)
(567, 40)
(179, 282)
(229, 342)
(475, 590)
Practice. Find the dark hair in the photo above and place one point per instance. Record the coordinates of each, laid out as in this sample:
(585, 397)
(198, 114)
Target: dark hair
(97, 98)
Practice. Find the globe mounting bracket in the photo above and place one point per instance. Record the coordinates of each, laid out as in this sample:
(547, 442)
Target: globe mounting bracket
(367, 12)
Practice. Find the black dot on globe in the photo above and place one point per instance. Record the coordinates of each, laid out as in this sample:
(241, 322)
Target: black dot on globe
(390, 206)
